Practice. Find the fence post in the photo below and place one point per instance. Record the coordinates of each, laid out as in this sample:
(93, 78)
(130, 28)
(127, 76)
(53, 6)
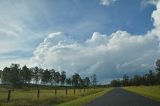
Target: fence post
(66, 90)
(9, 95)
(55, 91)
(38, 94)
(74, 90)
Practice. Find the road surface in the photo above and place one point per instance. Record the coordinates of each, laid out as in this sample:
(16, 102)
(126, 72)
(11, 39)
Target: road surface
(120, 97)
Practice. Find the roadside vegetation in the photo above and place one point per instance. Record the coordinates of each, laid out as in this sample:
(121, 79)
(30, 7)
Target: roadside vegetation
(86, 99)
(152, 92)
(47, 97)
(23, 86)
(149, 79)
(18, 77)
(147, 85)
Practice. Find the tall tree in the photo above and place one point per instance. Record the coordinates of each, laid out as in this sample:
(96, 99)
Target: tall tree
(11, 76)
(81, 82)
(16, 79)
(94, 80)
(63, 77)
(52, 71)
(6, 75)
(75, 79)
(56, 80)
(26, 74)
(46, 76)
(68, 81)
(57, 77)
(151, 78)
(36, 74)
(1, 75)
(136, 80)
(125, 81)
(115, 83)
(87, 81)
(158, 70)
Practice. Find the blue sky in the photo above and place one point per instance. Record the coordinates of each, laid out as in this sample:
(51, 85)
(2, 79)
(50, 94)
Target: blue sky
(28, 27)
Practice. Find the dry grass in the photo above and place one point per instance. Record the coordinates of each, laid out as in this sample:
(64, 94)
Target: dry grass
(28, 97)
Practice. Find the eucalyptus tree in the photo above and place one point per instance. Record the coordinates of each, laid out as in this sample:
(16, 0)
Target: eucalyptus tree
(36, 74)
(15, 75)
(26, 74)
(11, 76)
(46, 76)
(151, 78)
(68, 81)
(87, 81)
(63, 77)
(1, 75)
(158, 70)
(52, 71)
(6, 75)
(125, 80)
(81, 84)
(94, 80)
(56, 80)
(75, 79)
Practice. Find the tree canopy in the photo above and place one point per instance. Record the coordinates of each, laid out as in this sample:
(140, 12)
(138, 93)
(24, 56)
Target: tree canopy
(16, 76)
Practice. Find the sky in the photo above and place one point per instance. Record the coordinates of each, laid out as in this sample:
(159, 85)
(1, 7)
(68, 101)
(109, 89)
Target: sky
(106, 37)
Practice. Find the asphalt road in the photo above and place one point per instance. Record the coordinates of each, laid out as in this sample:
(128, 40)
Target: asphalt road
(120, 97)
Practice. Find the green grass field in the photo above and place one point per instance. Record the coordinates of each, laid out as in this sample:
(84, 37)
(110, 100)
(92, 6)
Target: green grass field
(82, 101)
(152, 92)
(28, 97)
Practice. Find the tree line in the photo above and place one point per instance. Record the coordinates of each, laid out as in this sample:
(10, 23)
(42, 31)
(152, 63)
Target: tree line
(150, 78)
(16, 76)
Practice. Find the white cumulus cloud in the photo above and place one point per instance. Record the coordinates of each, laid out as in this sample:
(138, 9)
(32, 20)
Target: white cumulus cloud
(108, 56)
(107, 2)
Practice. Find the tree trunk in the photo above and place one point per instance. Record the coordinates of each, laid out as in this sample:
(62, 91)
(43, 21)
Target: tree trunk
(9, 95)
(55, 91)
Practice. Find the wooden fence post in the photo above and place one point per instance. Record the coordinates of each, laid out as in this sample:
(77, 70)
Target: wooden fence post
(9, 95)
(55, 91)
(66, 90)
(38, 94)
(74, 91)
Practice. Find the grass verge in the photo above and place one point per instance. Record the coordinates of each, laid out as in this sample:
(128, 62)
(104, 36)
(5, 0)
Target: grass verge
(86, 99)
(28, 97)
(152, 92)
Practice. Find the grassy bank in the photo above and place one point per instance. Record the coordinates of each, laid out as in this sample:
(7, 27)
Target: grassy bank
(152, 92)
(28, 97)
(83, 100)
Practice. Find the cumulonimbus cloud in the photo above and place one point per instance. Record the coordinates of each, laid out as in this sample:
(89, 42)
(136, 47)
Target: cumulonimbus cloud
(106, 55)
